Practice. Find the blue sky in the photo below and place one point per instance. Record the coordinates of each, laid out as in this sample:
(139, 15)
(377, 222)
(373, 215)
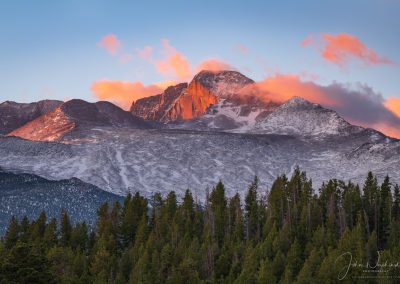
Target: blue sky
(49, 49)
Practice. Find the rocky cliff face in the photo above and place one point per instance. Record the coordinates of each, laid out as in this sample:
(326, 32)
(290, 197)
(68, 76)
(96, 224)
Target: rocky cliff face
(13, 115)
(155, 107)
(185, 102)
(192, 103)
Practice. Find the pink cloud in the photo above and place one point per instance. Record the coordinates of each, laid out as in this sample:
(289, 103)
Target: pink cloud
(174, 62)
(341, 48)
(110, 43)
(123, 93)
(393, 104)
(214, 65)
(175, 65)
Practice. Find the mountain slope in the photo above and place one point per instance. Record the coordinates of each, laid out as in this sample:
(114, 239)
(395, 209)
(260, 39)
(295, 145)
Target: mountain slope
(26, 194)
(13, 115)
(122, 160)
(73, 115)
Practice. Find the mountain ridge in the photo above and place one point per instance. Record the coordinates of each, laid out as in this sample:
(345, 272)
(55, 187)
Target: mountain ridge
(75, 114)
(212, 101)
(14, 115)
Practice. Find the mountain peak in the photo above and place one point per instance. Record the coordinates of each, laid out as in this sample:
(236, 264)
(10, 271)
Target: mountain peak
(210, 79)
(298, 116)
(297, 101)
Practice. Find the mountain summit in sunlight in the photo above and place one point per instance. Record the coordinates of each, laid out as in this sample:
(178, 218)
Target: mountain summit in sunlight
(188, 101)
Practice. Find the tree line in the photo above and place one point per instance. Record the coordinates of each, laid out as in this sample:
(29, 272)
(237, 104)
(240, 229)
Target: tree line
(291, 234)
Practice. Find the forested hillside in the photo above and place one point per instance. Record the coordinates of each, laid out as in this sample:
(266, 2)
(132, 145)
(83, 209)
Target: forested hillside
(294, 234)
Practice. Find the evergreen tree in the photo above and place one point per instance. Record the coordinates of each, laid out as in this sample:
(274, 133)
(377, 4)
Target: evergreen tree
(65, 230)
(23, 265)
(50, 237)
(12, 233)
(219, 211)
(253, 229)
(371, 201)
(385, 208)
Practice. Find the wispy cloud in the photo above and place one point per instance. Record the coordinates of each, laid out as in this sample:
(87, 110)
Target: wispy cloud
(174, 65)
(174, 62)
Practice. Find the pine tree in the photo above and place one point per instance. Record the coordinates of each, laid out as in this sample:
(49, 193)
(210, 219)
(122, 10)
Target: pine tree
(235, 219)
(396, 203)
(278, 265)
(79, 237)
(294, 260)
(384, 213)
(23, 265)
(253, 228)
(371, 201)
(277, 202)
(250, 265)
(12, 233)
(219, 210)
(310, 267)
(25, 229)
(265, 272)
(50, 234)
(66, 229)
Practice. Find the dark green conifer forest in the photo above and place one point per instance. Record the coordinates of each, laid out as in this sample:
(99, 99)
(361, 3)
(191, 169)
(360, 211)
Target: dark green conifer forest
(341, 233)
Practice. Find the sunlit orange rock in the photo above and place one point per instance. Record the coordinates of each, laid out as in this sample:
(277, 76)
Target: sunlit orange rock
(192, 103)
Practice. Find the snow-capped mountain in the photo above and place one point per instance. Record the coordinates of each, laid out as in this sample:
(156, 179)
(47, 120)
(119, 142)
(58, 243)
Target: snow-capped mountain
(26, 194)
(13, 115)
(74, 115)
(298, 116)
(210, 132)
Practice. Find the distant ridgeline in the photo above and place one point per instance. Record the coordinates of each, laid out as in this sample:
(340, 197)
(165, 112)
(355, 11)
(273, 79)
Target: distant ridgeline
(28, 195)
(292, 234)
